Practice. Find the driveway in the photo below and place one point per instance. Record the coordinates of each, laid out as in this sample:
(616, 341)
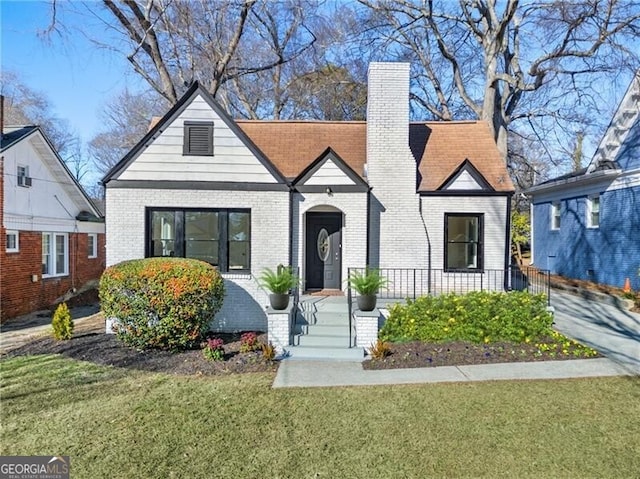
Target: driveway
(614, 332)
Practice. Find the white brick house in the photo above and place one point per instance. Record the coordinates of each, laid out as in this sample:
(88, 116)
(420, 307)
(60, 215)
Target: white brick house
(320, 196)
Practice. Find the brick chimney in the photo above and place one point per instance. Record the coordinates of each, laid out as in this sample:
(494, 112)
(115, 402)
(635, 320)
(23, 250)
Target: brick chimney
(397, 235)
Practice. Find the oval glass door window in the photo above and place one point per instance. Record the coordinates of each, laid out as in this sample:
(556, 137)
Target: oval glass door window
(324, 246)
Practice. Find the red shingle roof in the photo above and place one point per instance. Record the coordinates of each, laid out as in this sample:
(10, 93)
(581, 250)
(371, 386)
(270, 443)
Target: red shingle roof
(293, 145)
(439, 147)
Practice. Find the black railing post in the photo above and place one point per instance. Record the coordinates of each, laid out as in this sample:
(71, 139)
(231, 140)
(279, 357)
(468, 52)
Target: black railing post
(349, 304)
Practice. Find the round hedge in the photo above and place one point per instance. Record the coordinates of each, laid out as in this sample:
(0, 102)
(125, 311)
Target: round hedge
(161, 303)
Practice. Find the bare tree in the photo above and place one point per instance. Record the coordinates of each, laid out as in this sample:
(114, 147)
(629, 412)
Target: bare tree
(507, 62)
(25, 106)
(171, 43)
(126, 117)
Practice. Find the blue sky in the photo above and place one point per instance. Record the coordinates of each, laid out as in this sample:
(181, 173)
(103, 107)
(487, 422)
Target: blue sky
(75, 75)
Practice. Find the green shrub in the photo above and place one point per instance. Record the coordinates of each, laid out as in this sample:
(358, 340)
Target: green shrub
(367, 282)
(478, 317)
(62, 323)
(162, 303)
(279, 281)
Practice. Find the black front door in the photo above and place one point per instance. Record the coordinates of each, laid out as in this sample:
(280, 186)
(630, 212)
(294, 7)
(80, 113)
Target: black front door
(323, 250)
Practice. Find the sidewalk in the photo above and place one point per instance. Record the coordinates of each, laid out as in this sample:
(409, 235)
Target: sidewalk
(292, 373)
(612, 331)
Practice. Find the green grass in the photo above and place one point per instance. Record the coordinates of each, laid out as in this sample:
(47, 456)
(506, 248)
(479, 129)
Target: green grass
(120, 423)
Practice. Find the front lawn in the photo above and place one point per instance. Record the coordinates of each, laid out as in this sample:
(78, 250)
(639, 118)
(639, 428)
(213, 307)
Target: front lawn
(116, 422)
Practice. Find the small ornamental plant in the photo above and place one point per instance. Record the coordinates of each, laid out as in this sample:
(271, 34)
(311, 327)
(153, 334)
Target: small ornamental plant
(249, 342)
(280, 281)
(214, 349)
(62, 323)
(367, 282)
(380, 349)
(268, 351)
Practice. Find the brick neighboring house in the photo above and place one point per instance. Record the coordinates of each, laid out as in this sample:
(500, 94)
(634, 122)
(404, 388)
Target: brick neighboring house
(321, 196)
(51, 234)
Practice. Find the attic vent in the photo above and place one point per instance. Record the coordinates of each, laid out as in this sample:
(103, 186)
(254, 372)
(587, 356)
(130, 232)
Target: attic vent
(198, 138)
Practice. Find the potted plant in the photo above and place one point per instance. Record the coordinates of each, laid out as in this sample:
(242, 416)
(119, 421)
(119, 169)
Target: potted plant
(279, 283)
(367, 283)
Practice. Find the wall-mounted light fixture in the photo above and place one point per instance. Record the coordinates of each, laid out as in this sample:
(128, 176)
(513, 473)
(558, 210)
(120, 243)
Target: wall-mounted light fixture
(328, 190)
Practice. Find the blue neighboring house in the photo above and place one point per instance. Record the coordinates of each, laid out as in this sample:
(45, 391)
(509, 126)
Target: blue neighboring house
(586, 224)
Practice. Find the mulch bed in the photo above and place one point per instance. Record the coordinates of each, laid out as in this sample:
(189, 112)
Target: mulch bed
(90, 343)
(416, 354)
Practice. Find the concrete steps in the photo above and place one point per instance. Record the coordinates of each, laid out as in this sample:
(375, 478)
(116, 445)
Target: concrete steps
(322, 331)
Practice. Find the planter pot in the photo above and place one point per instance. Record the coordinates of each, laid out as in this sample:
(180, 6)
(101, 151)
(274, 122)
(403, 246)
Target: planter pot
(279, 301)
(367, 302)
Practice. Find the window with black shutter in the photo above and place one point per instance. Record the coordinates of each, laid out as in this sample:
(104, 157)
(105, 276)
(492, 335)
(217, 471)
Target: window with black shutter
(198, 138)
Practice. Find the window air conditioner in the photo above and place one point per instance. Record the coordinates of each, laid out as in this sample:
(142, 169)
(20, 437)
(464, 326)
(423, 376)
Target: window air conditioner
(24, 181)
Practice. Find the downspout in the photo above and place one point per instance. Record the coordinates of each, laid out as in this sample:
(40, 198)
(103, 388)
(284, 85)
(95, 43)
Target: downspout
(531, 236)
(426, 231)
(368, 253)
(291, 193)
(507, 244)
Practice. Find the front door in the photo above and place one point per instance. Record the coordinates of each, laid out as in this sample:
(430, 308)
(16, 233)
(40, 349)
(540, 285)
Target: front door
(323, 250)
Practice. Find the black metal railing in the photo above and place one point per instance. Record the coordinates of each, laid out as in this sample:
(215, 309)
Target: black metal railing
(295, 292)
(403, 283)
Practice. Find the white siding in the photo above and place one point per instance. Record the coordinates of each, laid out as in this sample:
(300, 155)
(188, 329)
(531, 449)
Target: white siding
(329, 174)
(231, 161)
(245, 300)
(354, 228)
(464, 181)
(46, 205)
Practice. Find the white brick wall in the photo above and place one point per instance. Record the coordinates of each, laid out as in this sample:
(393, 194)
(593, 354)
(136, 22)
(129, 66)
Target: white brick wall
(495, 218)
(398, 238)
(366, 324)
(278, 328)
(354, 230)
(245, 301)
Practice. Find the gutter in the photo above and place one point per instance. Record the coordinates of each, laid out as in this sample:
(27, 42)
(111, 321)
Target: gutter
(586, 179)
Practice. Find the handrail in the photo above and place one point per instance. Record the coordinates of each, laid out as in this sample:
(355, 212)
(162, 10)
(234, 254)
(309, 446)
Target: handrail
(350, 307)
(294, 310)
(403, 283)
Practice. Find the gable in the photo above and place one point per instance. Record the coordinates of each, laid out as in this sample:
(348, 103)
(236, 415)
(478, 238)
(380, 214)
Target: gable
(52, 191)
(621, 141)
(329, 174)
(440, 148)
(466, 178)
(162, 154)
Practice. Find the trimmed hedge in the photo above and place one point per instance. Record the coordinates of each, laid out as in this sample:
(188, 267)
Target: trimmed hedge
(161, 303)
(478, 317)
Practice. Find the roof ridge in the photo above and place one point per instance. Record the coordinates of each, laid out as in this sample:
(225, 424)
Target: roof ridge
(325, 122)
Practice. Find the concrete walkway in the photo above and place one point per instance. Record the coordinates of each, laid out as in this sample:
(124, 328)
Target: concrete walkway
(612, 331)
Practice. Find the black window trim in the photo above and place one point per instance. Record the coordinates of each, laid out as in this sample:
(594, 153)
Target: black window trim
(223, 243)
(480, 268)
(186, 151)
